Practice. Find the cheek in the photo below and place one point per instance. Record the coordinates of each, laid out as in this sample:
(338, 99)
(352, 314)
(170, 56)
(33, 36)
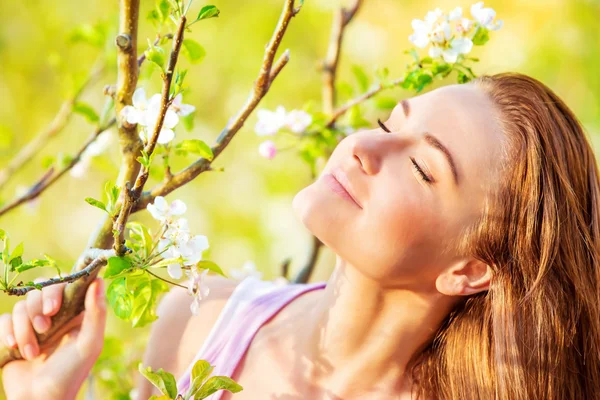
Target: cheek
(403, 232)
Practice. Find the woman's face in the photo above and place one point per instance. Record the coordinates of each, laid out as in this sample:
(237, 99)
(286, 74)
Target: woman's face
(395, 225)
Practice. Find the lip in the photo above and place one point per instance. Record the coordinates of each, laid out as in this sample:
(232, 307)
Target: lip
(338, 182)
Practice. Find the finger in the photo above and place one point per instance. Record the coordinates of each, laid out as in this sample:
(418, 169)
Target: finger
(52, 298)
(6, 331)
(91, 334)
(24, 333)
(40, 322)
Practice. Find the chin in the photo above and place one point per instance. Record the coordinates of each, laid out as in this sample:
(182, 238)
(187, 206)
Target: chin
(321, 213)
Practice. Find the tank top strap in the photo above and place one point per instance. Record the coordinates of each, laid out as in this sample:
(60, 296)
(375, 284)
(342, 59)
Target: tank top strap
(251, 304)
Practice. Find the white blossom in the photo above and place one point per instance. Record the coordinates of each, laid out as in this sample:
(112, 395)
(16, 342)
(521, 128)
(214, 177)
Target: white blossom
(248, 269)
(450, 54)
(455, 14)
(150, 118)
(135, 114)
(298, 120)
(267, 149)
(485, 16)
(464, 26)
(270, 122)
(181, 109)
(164, 212)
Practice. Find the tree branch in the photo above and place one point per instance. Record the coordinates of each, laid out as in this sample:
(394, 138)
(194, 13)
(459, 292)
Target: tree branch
(132, 196)
(73, 305)
(56, 126)
(49, 178)
(266, 75)
(341, 19)
(357, 100)
(74, 295)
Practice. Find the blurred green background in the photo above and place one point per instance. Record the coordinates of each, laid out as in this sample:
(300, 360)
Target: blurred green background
(246, 210)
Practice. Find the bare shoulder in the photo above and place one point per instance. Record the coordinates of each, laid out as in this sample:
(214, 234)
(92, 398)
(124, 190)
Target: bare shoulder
(177, 335)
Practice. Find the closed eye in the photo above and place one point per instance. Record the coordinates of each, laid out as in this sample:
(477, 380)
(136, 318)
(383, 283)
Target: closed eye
(382, 125)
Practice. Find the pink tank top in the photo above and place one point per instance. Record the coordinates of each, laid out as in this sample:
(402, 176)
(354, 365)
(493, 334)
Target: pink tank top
(252, 303)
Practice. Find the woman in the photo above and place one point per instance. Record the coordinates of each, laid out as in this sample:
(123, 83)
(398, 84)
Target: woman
(466, 229)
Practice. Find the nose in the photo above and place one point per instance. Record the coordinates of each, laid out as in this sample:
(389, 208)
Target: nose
(370, 149)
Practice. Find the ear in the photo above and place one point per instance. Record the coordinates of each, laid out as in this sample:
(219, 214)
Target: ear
(464, 278)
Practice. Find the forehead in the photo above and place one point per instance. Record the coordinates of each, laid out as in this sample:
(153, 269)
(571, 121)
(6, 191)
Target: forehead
(464, 119)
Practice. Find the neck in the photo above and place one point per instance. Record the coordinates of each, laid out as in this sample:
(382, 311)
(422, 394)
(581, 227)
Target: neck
(361, 336)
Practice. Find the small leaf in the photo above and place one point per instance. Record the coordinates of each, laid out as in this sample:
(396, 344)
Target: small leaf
(163, 9)
(87, 111)
(156, 55)
(96, 203)
(2, 234)
(116, 265)
(17, 251)
(164, 381)
(193, 51)
(167, 261)
(211, 266)
(200, 372)
(47, 161)
(207, 12)
(119, 298)
(196, 146)
(217, 383)
(142, 234)
(481, 36)
(361, 78)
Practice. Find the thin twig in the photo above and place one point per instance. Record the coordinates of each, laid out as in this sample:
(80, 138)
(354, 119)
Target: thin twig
(357, 100)
(341, 19)
(132, 195)
(266, 75)
(55, 127)
(94, 265)
(165, 280)
(49, 178)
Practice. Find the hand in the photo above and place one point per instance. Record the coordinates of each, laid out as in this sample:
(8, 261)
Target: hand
(57, 373)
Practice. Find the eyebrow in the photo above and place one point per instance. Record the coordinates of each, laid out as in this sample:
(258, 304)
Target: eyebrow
(434, 142)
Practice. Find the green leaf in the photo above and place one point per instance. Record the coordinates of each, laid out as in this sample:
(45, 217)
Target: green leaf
(217, 383)
(15, 262)
(112, 193)
(96, 203)
(163, 9)
(167, 261)
(164, 381)
(200, 372)
(193, 51)
(116, 265)
(47, 161)
(17, 251)
(361, 78)
(145, 301)
(207, 12)
(188, 122)
(119, 298)
(2, 234)
(205, 264)
(462, 78)
(482, 35)
(196, 146)
(87, 111)
(143, 235)
(156, 55)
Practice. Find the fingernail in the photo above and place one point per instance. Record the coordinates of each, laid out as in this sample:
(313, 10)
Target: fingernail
(10, 340)
(41, 324)
(30, 352)
(48, 306)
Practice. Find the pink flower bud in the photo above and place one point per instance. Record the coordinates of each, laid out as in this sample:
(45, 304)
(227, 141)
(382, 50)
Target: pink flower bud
(267, 149)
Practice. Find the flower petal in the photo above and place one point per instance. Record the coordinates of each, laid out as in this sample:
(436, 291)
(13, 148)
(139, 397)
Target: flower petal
(139, 98)
(419, 39)
(462, 45)
(171, 119)
(175, 271)
(165, 136)
(186, 109)
(450, 56)
(178, 207)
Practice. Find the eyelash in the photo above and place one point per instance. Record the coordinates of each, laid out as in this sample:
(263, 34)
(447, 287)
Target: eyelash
(415, 165)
